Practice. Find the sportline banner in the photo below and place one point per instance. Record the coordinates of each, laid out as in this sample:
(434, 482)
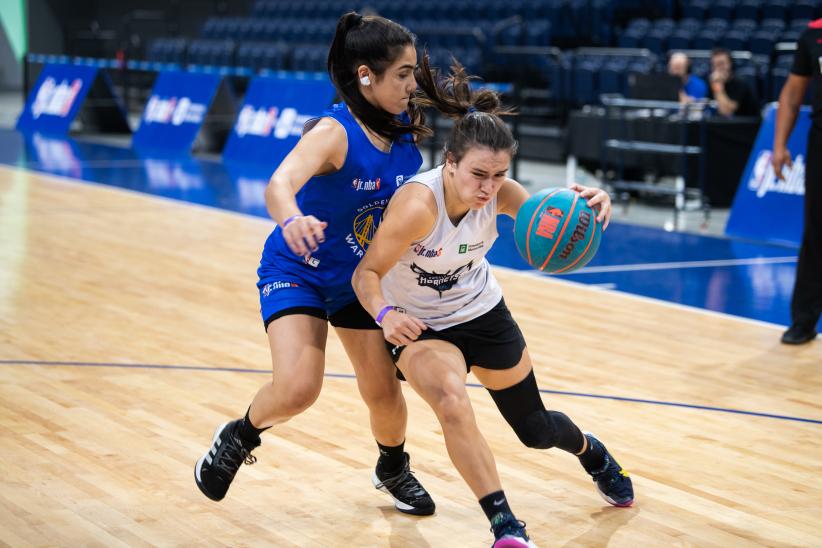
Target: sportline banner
(176, 111)
(55, 99)
(766, 208)
(271, 119)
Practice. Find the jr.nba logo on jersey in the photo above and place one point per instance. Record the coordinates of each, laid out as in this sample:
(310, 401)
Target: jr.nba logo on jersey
(365, 184)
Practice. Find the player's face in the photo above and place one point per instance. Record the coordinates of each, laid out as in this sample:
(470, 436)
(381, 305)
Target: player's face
(392, 91)
(480, 174)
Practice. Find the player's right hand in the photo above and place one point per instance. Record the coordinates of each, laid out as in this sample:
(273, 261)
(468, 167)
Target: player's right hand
(400, 328)
(304, 234)
(780, 158)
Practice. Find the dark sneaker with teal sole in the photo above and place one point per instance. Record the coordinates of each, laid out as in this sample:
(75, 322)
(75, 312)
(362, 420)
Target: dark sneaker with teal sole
(216, 469)
(613, 482)
(509, 532)
(410, 497)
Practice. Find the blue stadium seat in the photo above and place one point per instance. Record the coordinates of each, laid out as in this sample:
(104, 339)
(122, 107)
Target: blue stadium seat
(538, 33)
(309, 58)
(613, 76)
(776, 9)
(692, 25)
(722, 9)
(734, 40)
(631, 38)
(717, 24)
(744, 25)
(681, 39)
(790, 35)
(773, 25)
(762, 42)
(211, 52)
(802, 9)
(706, 39)
(748, 9)
(656, 41)
(697, 9)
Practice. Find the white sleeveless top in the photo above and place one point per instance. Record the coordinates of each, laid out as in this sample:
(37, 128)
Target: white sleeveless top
(444, 279)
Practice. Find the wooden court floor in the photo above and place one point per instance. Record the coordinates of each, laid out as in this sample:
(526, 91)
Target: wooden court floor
(96, 451)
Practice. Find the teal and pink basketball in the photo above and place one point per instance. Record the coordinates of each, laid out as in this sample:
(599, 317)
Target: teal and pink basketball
(556, 231)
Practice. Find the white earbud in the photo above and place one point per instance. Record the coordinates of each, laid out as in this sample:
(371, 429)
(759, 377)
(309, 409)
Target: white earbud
(365, 81)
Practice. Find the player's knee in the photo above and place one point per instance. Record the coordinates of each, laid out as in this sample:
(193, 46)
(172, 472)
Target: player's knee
(382, 397)
(452, 406)
(299, 397)
(538, 430)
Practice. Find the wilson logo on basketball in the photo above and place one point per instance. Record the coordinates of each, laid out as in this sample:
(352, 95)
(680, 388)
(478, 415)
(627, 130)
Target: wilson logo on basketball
(579, 233)
(548, 222)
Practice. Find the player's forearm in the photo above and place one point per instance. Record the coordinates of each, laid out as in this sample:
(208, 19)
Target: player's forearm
(280, 200)
(786, 116)
(366, 284)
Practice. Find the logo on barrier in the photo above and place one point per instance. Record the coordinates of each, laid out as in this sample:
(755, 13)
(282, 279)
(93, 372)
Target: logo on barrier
(263, 122)
(763, 180)
(175, 111)
(55, 99)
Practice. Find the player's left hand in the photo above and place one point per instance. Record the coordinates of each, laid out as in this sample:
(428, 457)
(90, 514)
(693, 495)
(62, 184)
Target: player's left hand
(598, 200)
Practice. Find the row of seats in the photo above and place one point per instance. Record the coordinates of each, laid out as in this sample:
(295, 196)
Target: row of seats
(278, 56)
(572, 78)
(739, 35)
(588, 21)
(752, 9)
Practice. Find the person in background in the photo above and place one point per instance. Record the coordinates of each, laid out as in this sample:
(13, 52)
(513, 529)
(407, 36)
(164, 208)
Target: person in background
(806, 304)
(694, 88)
(733, 96)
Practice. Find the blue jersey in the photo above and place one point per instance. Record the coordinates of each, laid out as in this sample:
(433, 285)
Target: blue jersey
(350, 200)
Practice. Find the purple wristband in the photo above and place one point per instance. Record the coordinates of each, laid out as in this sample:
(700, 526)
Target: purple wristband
(385, 310)
(289, 220)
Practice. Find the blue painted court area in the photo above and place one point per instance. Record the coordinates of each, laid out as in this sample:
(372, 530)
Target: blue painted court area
(745, 279)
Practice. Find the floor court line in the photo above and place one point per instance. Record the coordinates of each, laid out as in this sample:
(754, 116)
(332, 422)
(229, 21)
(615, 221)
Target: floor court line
(472, 385)
(685, 264)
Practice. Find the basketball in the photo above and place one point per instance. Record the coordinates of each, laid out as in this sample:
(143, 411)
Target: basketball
(556, 231)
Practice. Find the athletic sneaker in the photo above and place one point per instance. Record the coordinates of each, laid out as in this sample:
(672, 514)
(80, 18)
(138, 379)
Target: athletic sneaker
(216, 469)
(509, 532)
(410, 497)
(613, 482)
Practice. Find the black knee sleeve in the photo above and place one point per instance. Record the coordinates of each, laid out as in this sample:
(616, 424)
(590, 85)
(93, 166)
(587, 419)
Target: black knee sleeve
(522, 408)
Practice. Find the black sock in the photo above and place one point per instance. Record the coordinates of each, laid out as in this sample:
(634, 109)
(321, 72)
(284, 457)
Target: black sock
(495, 503)
(392, 459)
(594, 456)
(249, 432)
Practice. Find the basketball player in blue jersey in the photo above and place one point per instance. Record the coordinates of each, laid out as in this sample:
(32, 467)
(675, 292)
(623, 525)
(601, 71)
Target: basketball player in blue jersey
(425, 279)
(327, 197)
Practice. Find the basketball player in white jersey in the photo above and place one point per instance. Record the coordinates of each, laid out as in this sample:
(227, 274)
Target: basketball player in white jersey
(426, 281)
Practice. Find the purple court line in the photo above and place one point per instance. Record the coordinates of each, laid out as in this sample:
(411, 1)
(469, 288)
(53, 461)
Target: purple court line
(351, 376)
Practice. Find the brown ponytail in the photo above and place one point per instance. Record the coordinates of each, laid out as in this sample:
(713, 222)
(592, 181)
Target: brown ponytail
(476, 112)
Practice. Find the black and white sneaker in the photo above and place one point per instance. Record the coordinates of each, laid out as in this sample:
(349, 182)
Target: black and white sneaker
(216, 469)
(410, 497)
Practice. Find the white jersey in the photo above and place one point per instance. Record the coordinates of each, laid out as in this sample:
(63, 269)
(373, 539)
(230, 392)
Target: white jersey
(444, 279)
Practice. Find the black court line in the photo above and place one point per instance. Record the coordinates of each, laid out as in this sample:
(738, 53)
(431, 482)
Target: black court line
(472, 385)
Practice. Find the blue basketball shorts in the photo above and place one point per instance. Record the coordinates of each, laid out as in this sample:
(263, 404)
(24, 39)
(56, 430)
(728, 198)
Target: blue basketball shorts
(286, 290)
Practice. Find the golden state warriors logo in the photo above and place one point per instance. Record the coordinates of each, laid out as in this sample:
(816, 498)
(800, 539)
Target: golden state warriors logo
(365, 226)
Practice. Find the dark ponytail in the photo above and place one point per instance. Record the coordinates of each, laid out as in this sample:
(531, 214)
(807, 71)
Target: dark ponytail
(375, 42)
(476, 113)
